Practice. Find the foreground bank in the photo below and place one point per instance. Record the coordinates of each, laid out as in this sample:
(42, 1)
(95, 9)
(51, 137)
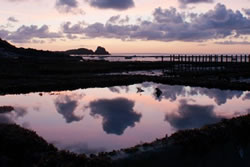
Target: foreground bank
(222, 144)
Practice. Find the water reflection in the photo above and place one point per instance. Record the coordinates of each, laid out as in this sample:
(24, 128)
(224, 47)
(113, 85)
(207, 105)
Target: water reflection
(247, 97)
(118, 114)
(158, 93)
(220, 96)
(192, 116)
(13, 115)
(117, 89)
(114, 89)
(80, 148)
(6, 109)
(66, 106)
(172, 92)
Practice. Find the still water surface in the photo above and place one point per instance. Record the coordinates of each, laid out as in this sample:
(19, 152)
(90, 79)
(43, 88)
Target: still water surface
(102, 119)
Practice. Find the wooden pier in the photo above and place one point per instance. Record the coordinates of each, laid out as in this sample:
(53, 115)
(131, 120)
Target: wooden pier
(185, 58)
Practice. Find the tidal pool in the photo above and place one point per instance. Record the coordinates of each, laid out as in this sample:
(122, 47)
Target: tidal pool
(103, 119)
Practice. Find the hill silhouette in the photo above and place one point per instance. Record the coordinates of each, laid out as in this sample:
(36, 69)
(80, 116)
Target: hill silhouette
(11, 51)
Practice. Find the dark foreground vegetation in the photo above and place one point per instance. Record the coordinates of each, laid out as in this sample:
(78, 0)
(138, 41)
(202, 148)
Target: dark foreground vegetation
(24, 148)
(222, 144)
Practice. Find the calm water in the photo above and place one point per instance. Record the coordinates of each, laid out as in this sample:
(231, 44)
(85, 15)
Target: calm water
(128, 57)
(103, 119)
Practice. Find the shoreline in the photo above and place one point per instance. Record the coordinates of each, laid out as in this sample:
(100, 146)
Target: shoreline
(47, 84)
(228, 138)
(30, 74)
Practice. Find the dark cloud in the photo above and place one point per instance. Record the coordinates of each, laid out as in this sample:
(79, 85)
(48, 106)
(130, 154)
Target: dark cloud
(13, 116)
(118, 20)
(37, 41)
(66, 106)
(192, 116)
(247, 11)
(165, 25)
(12, 19)
(69, 3)
(112, 4)
(25, 34)
(68, 6)
(117, 114)
(171, 25)
(73, 29)
(114, 19)
(185, 2)
(4, 34)
(233, 43)
(124, 20)
(110, 30)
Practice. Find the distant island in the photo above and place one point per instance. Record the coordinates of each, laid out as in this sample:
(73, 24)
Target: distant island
(83, 51)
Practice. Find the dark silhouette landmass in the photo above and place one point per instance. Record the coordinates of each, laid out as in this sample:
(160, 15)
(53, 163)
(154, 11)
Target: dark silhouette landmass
(101, 51)
(8, 50)
(80, 51)
(83, 51)
(223, 144)
(24, 148)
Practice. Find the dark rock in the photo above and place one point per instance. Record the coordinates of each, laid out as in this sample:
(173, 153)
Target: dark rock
(101, 51)
(80, 51)
(158, 92)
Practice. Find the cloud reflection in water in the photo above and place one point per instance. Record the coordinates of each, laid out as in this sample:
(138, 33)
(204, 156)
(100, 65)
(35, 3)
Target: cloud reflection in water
(66, 106)
(192, 116)
(172, 92)
(117, 114)
(11, 117)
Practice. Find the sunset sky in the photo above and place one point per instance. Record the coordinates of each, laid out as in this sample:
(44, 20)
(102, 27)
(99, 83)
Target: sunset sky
(129, 26)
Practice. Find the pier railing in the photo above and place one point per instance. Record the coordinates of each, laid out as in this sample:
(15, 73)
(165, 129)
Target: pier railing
(186, 58)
